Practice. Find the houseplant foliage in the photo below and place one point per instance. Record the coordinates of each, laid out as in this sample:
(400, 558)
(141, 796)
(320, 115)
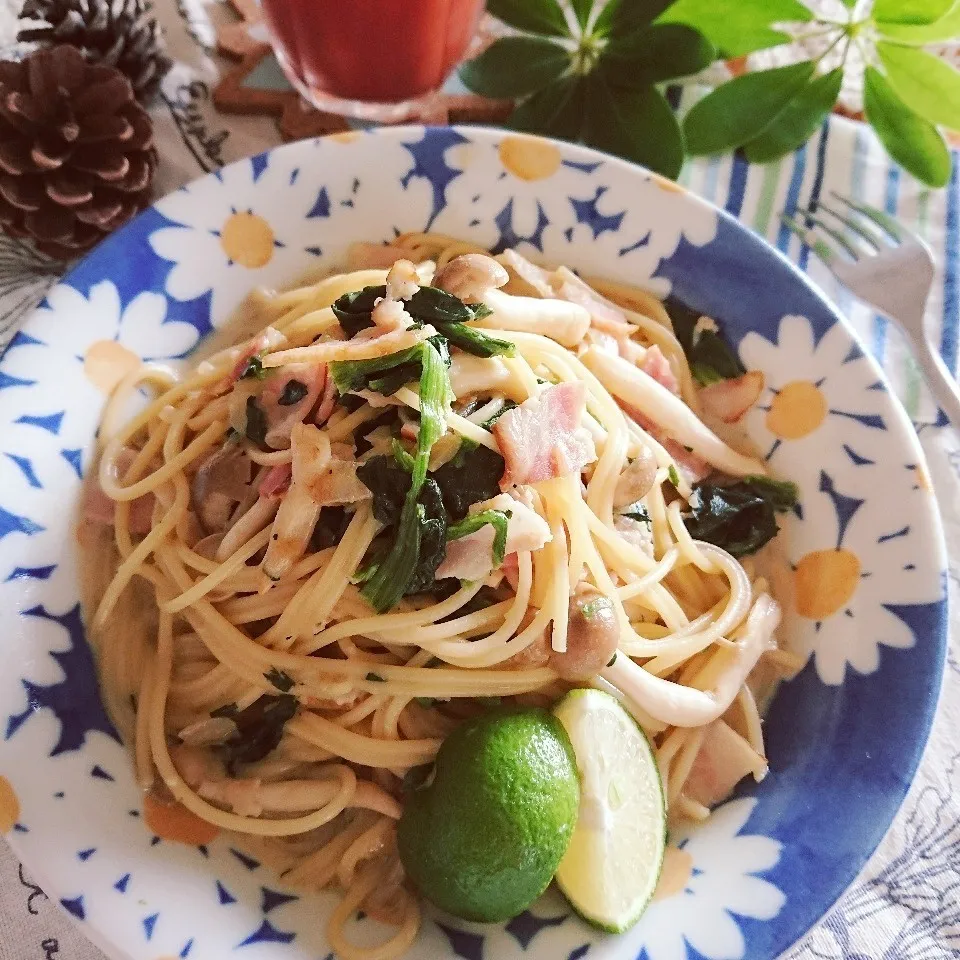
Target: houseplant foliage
(594, 72)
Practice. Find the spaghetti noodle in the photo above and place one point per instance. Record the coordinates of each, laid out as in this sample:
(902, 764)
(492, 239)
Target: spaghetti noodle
(298, 656)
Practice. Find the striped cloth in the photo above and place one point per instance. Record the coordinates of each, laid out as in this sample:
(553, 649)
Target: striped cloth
(846, 158)
(906, 903)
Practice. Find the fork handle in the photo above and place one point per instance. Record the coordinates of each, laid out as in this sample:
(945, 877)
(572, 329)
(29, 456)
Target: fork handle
(940, 380)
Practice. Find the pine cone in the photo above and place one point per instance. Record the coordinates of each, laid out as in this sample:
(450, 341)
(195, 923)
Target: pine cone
(76, 153)
(113, 33)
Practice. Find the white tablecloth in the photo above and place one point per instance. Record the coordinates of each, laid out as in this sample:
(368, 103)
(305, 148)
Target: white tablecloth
(906, 903)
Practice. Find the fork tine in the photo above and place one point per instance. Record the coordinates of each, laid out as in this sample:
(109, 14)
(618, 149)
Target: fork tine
(883, 220)
(817, 244)
(867, 234)
(835, 234)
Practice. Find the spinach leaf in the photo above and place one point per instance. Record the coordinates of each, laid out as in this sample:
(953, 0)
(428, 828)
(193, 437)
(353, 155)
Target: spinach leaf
(433, 537)
(471, 476)
(508, 404)
(331, 526)
(711, 356)
(782, 494)
(389, 486)
(428, 305)
(420, 538)
(282, 681)
(360, 442)
(256, 423)
(477, 342)
(353, 309)
(254, 369)
(498, 519)
(293, 392)
(356, 374)
(259, 730)
(708, 354)
(736, 517)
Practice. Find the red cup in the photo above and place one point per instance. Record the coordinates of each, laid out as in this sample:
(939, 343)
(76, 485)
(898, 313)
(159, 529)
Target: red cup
(375, 59)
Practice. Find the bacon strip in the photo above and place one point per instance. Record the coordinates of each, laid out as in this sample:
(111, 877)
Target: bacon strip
(542, 438)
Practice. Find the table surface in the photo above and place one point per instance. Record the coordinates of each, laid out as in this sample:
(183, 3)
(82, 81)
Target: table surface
(906, 903)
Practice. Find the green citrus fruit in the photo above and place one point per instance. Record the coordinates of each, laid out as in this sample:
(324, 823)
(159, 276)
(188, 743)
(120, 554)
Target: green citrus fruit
(483, 835)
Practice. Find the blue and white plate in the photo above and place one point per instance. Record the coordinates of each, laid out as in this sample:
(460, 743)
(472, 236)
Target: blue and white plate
(844, 737)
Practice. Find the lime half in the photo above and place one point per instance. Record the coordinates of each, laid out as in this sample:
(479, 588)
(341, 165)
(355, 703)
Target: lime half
(612, 864)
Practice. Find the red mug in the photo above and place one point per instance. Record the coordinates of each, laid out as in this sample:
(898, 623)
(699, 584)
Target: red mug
(370, 58)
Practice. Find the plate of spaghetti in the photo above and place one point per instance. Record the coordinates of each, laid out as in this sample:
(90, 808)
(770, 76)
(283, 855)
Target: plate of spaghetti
(394, 521)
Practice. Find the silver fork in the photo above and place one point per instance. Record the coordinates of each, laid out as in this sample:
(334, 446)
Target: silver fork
(890, 268)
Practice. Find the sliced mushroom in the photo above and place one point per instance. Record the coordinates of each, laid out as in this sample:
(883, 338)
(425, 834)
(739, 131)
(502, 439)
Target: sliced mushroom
(471, 276)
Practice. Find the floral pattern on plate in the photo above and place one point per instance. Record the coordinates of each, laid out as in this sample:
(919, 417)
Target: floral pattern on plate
(865, 545)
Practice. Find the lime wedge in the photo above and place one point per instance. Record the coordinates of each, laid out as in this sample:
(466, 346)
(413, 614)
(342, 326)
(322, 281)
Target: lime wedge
(612, 864)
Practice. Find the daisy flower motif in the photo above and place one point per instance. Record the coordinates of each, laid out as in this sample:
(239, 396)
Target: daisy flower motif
(589, 207)
(711, 876)
(239, 228)
(822, 398)
(97, 340)
(857, 566)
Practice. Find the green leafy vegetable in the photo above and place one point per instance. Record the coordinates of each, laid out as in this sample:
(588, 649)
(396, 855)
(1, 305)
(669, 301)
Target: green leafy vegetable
(477, 342)
(404, 459)
(711, 359)
(331, 526)
(254, 369)
(259, 729)
(281, 680)
(498, 519)
(471, 476)
(673, 476)
(740, 517)
(913, 142)
(490, 421)
(356, 374)
(782, 494)
(293, 392)
(256, 429)
(389, 485)
(353, 309)
(420, 535)
(428, 305)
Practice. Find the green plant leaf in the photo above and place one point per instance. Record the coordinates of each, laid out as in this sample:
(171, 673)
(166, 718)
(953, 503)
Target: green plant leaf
(533, 16)
(637, 125)
(582, 10)
(910, 11)
(798, 121)
(556, 110)
(515, 67)
(946, 28)
(656, 53)
(924, 83)
(741, 109)
(619, 16)
(913, 142)
(741, 27)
